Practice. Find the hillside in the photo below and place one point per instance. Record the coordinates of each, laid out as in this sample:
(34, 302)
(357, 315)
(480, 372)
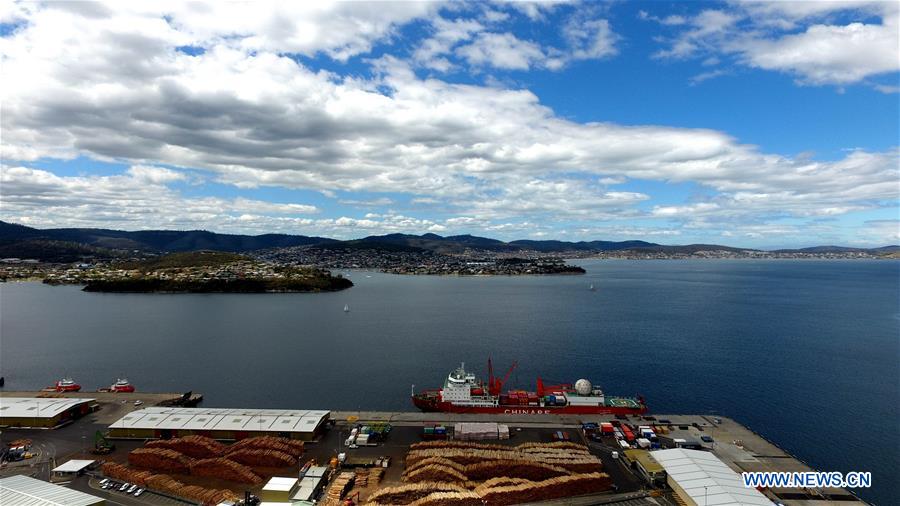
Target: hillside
(20, 241)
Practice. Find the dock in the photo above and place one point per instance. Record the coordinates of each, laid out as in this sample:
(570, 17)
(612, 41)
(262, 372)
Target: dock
(735, 445)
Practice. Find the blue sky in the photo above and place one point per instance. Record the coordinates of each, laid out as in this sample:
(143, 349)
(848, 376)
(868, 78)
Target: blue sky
(753, 124)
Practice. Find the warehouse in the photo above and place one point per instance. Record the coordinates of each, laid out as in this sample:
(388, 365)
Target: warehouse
(225, 424)
(23, 490)
(40, 412)
(646, 465)
(700, 478)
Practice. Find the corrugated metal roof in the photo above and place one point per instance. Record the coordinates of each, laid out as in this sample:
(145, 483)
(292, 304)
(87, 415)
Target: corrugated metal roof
(262, 420)
(706, 479)
(36, 407)
(27, 491)
(72, 466)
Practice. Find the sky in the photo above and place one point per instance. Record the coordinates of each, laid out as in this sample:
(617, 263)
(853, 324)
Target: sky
(756, 124)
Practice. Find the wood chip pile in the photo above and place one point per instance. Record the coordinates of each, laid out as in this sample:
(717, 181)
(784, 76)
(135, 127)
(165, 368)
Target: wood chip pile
(198, 447)
(160, 459)
(225, 469)
(462, 473)
(167, 485)
(282, 444)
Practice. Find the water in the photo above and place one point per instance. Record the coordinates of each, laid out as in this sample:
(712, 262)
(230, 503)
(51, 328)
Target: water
(807, 353)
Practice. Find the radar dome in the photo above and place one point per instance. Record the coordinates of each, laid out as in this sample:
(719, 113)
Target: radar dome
(583, 387)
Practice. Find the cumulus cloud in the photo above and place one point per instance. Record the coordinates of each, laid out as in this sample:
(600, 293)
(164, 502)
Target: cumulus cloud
(115, 83)
(803, 39)
(139, 199)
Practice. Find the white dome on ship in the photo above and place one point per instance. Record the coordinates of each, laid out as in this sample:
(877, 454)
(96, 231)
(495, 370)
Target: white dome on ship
(583, 387)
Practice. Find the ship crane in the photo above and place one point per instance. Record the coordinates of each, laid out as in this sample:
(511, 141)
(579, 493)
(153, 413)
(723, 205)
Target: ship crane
(495, 385)
(542, 388)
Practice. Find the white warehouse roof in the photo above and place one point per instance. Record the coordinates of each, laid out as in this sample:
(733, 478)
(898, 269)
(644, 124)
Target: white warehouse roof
(37, 407)
(706, 479)
(27, 491)
(72, 466)
(260, 420)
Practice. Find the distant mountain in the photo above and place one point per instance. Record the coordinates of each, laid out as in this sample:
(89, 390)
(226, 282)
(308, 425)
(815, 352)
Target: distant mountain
(549, 246)
(841, 249)
(156, 240)
(26, 242)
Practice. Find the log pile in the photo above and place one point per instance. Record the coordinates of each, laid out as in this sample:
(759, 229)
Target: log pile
(434, 472)
(160, 459)
(262, 458)
(198, 447)
(167, 485)
(282, 444)
(466, 498)
(461, 473)
(339, 487)
(225, 469)
(406, 494)
(125, 473)
(554, 488)
(375, 475)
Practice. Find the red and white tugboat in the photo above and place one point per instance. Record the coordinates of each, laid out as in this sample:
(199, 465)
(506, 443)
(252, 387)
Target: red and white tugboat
(121, 385)
(463, 393)
(64, 385)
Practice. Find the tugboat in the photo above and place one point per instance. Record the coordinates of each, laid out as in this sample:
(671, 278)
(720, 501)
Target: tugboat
(121, 385)
(462, 393)
(64, 385)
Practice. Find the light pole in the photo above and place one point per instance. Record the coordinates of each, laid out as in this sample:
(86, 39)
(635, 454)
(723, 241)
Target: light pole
(704, 494)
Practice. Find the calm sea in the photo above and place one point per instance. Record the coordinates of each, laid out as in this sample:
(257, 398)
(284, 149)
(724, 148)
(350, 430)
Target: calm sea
(806, 353)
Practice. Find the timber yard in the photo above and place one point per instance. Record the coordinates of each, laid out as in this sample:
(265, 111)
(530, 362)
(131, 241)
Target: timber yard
(162, 449)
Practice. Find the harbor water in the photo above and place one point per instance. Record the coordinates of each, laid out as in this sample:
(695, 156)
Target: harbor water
(806, 353)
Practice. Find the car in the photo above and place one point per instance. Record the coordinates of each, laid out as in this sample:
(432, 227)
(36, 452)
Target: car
(131, 489)
(667, 422)
(104, 481)
(124, 486)
(138, 402)
(138, 492)
(707, 439)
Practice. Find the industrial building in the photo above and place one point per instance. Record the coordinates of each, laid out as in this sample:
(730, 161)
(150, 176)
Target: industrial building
(24, 490)
(279, 490)
(224, 424)
(646, 465)
(42, 412)
(700, 478)
(311, 485)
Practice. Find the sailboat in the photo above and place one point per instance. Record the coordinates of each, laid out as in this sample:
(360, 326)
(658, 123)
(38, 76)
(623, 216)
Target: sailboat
(346, 308)
(592, 288)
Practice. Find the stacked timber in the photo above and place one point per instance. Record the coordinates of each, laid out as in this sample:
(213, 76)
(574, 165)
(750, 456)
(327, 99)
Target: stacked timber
(554, 488)
(375, 475)
(167, 485)
(225, 469)
(406, 494)
(282, 444)
(160, 459)
(262, 458)
(339, 487)
(198, 447)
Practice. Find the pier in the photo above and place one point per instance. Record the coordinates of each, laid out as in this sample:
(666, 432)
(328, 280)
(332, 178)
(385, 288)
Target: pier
(735, 445)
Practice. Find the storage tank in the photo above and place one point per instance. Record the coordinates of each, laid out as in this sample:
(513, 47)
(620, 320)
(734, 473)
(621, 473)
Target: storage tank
(583, 387)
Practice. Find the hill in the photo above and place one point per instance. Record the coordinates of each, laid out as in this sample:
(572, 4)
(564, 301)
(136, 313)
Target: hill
(156, 240)
(73, 243)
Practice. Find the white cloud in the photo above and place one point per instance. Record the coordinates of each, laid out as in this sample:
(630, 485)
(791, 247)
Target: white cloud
(802, 39)
(501, 50)
(113, 86)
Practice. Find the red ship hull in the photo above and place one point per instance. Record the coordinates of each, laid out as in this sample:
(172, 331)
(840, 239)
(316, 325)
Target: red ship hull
(432, 405)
